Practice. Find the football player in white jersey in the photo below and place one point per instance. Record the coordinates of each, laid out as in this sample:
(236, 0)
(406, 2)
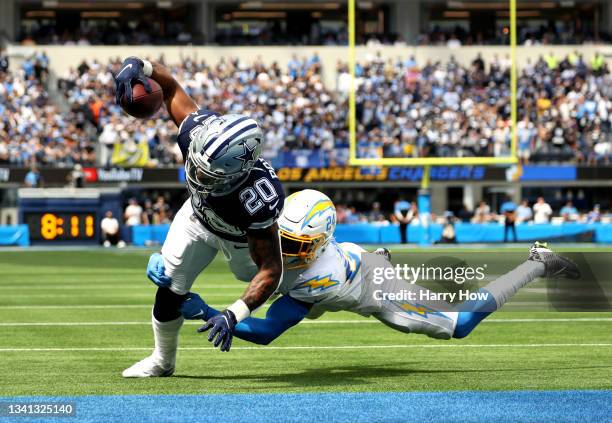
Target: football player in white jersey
(323, 275)
(235, 200)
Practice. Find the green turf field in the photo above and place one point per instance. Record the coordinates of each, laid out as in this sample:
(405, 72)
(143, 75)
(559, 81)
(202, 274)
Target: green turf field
(71, 321)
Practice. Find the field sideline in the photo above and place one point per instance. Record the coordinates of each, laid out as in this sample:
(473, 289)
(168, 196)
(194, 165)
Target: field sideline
(71, 321)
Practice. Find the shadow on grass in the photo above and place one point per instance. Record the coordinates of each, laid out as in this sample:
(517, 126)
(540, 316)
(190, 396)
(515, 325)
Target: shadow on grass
(367, 374)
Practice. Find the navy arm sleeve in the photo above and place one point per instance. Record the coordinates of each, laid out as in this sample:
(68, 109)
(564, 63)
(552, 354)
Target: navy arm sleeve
(191, 122)
(283, 314)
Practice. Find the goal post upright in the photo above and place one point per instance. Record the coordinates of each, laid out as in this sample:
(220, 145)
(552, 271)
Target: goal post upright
(427, 162)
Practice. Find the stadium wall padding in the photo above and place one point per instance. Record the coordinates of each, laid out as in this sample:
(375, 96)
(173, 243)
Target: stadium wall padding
(16, 235)
(365, 233)
(146, 235)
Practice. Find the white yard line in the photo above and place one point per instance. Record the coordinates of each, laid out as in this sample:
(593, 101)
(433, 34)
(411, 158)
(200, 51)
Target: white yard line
(93, 306)
(321, 347)
(307, 322)
(150, 295)
(117, 286)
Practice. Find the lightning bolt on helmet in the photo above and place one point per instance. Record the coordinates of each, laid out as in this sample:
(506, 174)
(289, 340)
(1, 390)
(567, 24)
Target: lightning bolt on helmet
(307, 223)
(222, 152)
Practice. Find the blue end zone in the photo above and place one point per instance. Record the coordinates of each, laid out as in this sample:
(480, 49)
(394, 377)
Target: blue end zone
(343, 407)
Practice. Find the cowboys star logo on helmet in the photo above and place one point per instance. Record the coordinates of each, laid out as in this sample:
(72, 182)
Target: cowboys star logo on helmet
(221, 153)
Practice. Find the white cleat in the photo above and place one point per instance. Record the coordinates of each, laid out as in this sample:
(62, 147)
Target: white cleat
(148, 367)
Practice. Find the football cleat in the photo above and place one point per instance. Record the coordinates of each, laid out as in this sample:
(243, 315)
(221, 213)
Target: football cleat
(555, 265)
(383, 252)
(148, 367)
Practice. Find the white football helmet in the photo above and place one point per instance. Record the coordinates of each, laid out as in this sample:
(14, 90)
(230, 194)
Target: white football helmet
(306, 224)
(222, 152)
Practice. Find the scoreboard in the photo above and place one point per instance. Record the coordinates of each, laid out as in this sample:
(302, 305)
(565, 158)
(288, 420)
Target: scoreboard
(66, 215)
(63, 226)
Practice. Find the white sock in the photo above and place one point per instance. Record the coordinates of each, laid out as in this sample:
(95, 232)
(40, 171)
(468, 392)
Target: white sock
(166, 340)
(504, 287)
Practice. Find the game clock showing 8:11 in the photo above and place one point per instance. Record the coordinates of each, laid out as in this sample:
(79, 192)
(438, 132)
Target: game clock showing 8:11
(61, 226)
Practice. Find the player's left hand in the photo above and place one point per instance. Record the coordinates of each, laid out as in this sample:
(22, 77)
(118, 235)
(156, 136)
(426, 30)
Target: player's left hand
(222, 328)
(194, 307)
(156, 271)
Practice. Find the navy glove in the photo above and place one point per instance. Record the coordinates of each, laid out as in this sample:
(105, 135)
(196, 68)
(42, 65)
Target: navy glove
(194, 307)
(156, 271)
(131, 71)
(222, 325)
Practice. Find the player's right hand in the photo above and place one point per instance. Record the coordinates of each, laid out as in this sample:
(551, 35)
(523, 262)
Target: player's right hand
(194, 307)
(221, 329)
(156, 271)
(131, 71)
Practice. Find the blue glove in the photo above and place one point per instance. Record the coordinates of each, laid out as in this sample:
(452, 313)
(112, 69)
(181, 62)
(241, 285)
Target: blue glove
(156, 271)
(131, 71)
(222, 325)
(194, 307)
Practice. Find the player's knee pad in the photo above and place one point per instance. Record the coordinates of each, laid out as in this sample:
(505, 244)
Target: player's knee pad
(167, 305)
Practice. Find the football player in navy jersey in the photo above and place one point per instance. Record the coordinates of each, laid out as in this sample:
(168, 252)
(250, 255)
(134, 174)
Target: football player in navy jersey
(235, 200)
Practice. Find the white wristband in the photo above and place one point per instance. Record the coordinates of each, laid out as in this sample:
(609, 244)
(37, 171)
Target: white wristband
(147, 68)
(240, 310)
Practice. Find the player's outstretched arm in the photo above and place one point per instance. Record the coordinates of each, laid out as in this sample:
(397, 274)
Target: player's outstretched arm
(264, 246)
(284, 313)
(178, 103)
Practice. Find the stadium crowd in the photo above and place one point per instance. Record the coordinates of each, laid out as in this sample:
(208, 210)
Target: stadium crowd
(404, 109)
(33, 130)
(295, 110)
(448, 110)
(526, 212)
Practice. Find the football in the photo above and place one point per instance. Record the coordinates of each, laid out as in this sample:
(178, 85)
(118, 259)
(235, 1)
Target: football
(143, 104)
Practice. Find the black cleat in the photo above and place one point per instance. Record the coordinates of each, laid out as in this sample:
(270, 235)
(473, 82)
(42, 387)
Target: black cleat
(555, 265)
(383, 252)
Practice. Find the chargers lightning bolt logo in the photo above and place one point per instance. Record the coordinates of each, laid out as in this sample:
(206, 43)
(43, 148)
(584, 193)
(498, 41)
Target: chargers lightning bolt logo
(421, 310)
(317, 209)
(320, 283)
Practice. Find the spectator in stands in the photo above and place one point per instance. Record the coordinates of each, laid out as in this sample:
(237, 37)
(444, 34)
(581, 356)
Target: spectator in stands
(148, 215)
(526, 135)
(352, 216)
(376, 215)
(568, 212)
(132, 216)
(508, 210)
(595, 214)
(161, 211)
(541, 211)
(110, 230)
(465, 215)
(133, 213)
(449, 235)
(76, 178)
(523, 212)
(33, 179)
(482, 214)
(404, 212)
(4, 62)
